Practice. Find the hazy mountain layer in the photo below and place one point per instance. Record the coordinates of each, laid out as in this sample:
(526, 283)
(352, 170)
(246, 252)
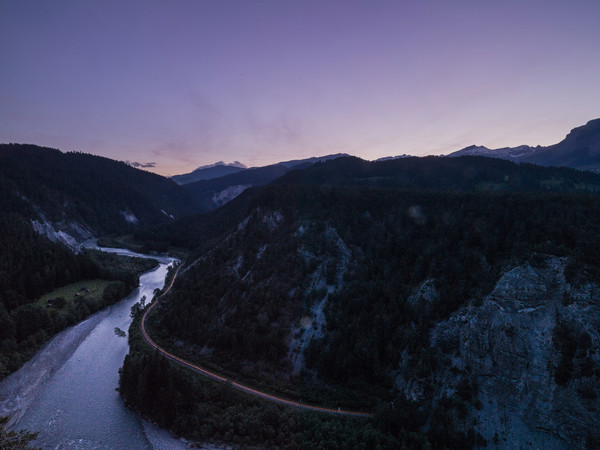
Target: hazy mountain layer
(217, 191)
(207, 173)
(580, 150)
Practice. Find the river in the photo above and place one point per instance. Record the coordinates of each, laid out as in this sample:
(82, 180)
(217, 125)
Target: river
(67, 391)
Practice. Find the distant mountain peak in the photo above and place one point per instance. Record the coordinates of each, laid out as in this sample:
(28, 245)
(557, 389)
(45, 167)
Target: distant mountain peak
(313, 160)
(580, 149)
(512, 153)
(591, 128)
(209, 171)
(390, 158)
(222, 163)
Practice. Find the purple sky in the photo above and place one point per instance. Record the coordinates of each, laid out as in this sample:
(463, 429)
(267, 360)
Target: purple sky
(186, 83)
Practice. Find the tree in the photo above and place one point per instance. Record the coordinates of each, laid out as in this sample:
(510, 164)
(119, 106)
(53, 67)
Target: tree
(60, 302)
(135, 310)
(10, 439)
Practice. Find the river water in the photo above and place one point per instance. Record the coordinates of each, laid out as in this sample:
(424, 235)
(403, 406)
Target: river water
(67, 390)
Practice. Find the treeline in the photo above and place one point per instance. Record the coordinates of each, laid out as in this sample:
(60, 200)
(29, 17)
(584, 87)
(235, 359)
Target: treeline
(434, 174)
(30, 266)
(437, 173)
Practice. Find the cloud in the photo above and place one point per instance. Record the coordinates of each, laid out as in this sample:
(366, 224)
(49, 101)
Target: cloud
(141, 165)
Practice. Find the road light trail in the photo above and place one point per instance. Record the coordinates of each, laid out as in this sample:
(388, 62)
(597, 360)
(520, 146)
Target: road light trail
(234, 384)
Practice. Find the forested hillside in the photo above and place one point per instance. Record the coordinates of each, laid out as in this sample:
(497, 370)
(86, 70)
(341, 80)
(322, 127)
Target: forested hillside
(343, 295)
(215, 192)
(80, 193)
(31, 268)
(466, 173)
(49, 199)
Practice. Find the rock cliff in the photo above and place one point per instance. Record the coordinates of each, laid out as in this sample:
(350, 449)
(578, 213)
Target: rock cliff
(521, 365)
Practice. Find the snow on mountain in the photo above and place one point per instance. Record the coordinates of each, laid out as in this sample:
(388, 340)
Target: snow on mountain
(313, 160)
(580, 149)
(512, 153)
(222, 163)
(388, 158)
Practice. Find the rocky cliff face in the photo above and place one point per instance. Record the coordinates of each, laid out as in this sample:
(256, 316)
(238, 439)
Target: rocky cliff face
(522, 365)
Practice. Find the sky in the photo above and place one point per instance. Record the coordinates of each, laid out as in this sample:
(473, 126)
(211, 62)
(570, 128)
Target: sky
(173, 85)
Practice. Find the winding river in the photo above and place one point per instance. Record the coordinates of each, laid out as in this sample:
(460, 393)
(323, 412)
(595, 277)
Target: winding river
(67, 391)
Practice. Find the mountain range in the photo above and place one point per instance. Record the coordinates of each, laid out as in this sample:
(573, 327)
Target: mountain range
(455, 297)
(208, 172)
(580, 149)
(215, 192)
(213, 186)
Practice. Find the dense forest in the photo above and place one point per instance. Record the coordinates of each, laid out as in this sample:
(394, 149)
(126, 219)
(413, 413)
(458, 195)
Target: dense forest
(327, 286)
(464, 174)
(331, 272)
(467, 173)
(207, 411)
(69, 197)
(101, 195)
(31, 265)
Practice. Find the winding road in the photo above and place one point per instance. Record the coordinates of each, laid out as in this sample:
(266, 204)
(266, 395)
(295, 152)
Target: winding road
(233, 384)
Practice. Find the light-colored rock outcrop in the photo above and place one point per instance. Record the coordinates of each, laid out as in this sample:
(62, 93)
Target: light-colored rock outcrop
(509, 346)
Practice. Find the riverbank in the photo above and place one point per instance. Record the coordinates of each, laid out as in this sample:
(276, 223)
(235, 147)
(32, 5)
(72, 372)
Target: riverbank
(26, 328)
(19, 389)
(67, 391)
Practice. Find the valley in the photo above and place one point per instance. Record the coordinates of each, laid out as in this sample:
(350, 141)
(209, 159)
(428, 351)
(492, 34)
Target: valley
(67, 391)
(329, 225)
(342, 303)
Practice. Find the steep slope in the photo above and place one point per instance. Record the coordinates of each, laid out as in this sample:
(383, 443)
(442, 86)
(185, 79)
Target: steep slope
(32, 266)
(580, 149)
(336, 292)
(527, 356)
(82, 195)
(50, 201)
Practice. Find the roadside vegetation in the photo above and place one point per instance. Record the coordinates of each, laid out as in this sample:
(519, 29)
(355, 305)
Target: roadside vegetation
(208, 411)
(15, 440)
